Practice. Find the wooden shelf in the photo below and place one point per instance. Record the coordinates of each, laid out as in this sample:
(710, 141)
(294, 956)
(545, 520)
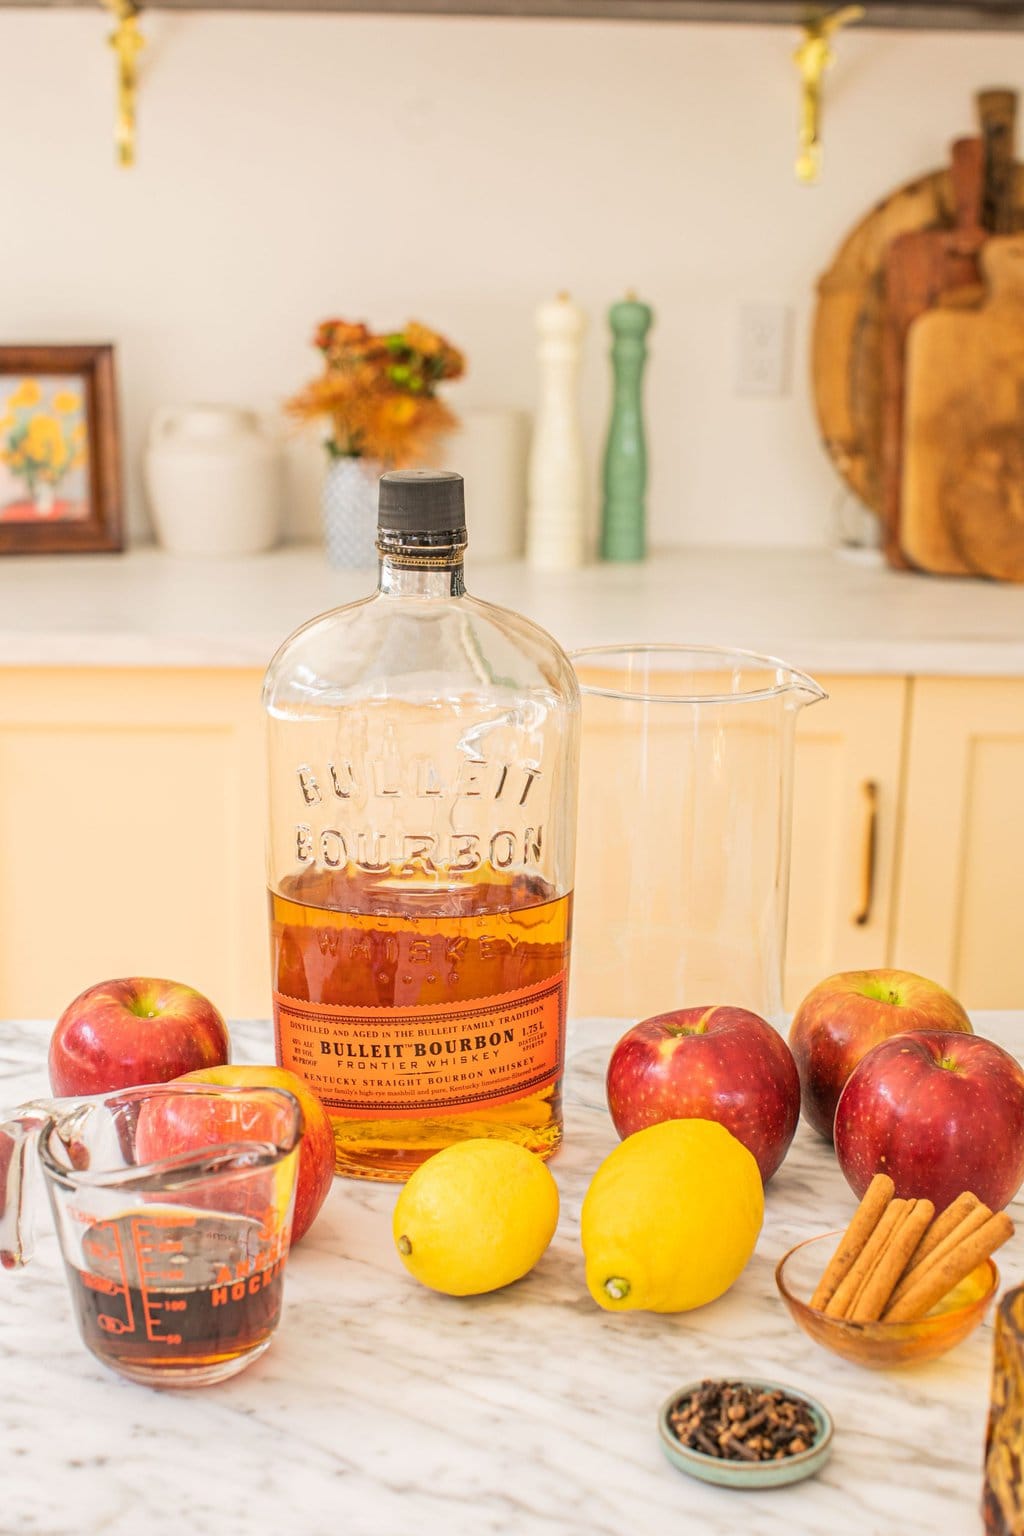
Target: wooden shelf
(954, 15)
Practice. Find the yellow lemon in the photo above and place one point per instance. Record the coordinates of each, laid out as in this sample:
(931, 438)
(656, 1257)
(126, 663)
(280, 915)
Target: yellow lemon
(475, 1216)
(671, 1217)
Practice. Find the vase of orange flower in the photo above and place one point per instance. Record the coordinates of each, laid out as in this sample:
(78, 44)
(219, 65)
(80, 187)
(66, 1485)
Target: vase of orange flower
(378, 399)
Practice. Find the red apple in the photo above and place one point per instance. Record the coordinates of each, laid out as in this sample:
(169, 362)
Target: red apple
(940, 1112)
(844, 1016)
(134, 1030)
(170, 1126)
(723, 1064)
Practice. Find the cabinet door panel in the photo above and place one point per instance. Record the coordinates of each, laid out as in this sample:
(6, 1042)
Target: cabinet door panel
(131, 829)
(845, 745)
(962, 861)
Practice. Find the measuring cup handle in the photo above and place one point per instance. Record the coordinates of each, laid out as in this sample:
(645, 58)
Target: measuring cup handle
(19, 1134)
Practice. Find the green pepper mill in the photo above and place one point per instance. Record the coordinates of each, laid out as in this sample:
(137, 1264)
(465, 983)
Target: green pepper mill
(623, 513)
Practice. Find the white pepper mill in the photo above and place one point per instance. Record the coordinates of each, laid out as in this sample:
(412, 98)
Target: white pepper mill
(556, 521)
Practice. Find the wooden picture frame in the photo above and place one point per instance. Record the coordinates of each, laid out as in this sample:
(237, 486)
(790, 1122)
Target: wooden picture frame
(60, 462)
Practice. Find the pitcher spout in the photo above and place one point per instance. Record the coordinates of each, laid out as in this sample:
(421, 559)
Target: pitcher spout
(801, 689)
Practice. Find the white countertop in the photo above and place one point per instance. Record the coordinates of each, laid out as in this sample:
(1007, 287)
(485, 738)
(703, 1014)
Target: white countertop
(382, 1407)
(814, 608)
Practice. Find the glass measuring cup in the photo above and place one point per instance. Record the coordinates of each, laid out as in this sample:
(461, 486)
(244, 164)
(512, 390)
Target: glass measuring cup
(173, 1206)
(682, 868)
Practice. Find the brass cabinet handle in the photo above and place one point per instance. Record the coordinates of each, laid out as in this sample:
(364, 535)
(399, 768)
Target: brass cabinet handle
(869, 789)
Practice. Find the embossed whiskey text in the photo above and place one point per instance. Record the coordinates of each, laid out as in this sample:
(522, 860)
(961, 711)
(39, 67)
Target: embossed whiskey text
(419, 779)
(367, 803)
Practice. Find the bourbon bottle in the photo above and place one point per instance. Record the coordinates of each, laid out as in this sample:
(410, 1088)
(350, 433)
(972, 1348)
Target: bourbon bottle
(423, 757)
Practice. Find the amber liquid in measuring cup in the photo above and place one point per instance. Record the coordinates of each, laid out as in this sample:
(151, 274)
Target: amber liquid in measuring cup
(176, 1291)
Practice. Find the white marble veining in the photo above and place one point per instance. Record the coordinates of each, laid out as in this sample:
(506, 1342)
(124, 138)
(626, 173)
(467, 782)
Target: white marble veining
(818, 611)
(383, 1409)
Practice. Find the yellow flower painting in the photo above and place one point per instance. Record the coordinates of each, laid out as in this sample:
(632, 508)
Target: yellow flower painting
(43, 449)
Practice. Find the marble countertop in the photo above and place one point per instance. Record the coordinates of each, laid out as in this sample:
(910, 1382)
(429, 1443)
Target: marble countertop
(815, 609)
(382, 1407)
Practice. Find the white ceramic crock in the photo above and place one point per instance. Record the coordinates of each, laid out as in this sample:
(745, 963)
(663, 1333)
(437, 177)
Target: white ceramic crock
(213, 477)
(489, 448)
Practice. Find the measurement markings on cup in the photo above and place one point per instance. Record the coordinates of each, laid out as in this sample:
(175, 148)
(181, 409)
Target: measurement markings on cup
(153, 1274)
(103, 1244)
(178, 1288)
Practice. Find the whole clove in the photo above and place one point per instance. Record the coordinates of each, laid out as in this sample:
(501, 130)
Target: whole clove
(736, 1422)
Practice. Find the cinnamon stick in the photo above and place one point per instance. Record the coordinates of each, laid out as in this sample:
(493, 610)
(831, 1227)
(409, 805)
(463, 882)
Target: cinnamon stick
(846, 1292)
(942, 1226)
(892, 1261)
(938, 1279)
(971, 1223)
(866, 1218)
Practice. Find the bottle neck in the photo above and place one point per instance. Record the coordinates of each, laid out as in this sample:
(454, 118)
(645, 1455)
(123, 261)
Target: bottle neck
(433, 570)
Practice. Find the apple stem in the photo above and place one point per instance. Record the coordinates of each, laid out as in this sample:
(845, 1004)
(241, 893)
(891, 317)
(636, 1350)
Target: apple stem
(616, 1287)
(404, 1246)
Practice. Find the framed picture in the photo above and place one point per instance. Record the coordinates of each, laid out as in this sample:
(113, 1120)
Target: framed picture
(60, 474)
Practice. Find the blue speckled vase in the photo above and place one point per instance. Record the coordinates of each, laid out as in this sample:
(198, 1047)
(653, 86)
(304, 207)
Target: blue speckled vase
(350, 513)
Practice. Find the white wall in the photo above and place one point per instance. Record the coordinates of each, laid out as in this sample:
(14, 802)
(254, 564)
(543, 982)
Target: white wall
(458, 171)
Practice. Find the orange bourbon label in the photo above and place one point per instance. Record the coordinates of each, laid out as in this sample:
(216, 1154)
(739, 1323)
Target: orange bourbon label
(437, 1059)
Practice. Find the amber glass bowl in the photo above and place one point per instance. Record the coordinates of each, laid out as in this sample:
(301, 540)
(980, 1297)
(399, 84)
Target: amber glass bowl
(881, 1344)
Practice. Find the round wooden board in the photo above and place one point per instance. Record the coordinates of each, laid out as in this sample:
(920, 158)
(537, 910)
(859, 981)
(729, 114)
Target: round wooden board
(846, 365)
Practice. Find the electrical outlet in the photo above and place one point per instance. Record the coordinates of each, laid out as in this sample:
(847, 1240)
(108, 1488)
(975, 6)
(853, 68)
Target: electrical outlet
(764, 354)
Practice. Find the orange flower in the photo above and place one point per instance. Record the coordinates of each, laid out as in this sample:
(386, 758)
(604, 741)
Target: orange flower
(420, 339)
(331, 335)
(377, 392)
(345, 344)
(444, 361)
(399, 429)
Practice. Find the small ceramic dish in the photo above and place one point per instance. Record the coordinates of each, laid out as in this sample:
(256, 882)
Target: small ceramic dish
(748, 1474)
(880, 1345)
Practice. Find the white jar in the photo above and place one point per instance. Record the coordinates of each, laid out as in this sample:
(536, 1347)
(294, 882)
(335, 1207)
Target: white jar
(489, 448)
(213, 478)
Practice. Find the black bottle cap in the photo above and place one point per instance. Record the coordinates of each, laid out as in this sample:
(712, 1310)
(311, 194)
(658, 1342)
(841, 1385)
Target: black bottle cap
(421, 501)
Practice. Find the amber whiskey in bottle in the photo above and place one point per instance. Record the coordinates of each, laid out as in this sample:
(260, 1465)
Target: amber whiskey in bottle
(423, 757)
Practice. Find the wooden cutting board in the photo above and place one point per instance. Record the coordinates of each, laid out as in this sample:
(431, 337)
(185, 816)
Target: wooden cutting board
(963, 461)
(847, 331)
(920, 269)
(997, 111)
(846, 337)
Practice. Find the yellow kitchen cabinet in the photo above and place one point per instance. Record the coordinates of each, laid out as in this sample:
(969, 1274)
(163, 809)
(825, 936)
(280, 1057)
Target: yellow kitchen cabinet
(132, 811)
(131, 834)
(846, 809)
(960, 910)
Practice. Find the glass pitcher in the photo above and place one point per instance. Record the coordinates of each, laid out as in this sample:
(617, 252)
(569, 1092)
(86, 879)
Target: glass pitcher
(173, 1205)
(684, 834)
